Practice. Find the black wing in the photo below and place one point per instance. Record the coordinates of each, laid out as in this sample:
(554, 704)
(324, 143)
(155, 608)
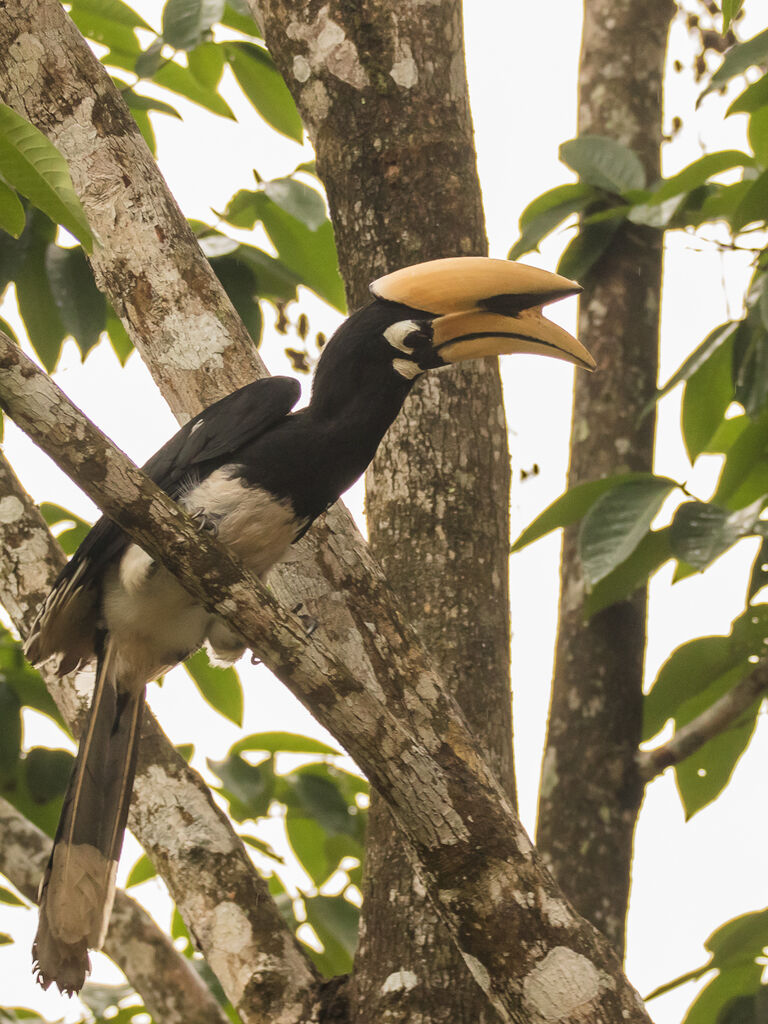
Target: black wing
(216, 432)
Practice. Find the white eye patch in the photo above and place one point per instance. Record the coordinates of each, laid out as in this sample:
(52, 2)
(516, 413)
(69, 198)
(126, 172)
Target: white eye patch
(397, 334)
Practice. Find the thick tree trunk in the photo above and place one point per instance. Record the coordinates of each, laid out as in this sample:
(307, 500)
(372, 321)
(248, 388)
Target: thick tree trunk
(437, 495)
(591, 790)
(393, 135)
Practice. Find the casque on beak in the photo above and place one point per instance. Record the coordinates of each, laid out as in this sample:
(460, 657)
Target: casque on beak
(482, 307)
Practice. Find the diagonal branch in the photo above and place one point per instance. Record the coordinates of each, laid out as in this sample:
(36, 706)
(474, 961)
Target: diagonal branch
(189, 839)
(710, 723)
(405, 732)
(171, 989)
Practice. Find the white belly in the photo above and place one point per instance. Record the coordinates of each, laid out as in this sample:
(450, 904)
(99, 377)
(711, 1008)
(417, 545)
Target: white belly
(152, 620)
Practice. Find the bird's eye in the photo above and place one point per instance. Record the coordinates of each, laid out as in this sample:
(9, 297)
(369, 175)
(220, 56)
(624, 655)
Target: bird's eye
(407, 335)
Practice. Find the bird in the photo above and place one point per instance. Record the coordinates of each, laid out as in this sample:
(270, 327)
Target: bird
(257, 474)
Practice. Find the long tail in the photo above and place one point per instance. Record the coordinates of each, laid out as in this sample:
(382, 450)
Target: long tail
(78, 886)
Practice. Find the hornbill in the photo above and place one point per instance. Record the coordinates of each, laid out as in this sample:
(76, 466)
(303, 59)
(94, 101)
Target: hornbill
(258, 475)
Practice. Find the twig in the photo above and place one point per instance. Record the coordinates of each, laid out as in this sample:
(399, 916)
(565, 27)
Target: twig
(710, 723)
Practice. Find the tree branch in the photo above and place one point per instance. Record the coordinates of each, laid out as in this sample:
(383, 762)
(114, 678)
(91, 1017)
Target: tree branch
(172, 991)
(188, 838)
(710, 723)
(406, 733)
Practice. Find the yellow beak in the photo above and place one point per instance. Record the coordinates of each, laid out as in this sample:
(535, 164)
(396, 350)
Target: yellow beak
(460, 336)
(486, 307)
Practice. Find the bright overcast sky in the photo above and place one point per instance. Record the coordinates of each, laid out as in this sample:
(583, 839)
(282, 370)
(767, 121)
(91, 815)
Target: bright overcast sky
(522, 65)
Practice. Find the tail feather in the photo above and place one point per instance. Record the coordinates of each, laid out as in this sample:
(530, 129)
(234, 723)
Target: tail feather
(78, 886)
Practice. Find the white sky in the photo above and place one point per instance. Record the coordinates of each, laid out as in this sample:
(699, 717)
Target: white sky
(522, 65)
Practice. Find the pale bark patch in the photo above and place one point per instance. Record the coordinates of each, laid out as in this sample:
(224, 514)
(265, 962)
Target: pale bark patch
(329, 49)
(11, 509)
(400, 981)
(561, 985)
(232, 940)
(175, 814)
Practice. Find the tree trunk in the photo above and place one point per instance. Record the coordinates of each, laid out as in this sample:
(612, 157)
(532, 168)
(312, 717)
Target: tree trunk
(591, 790)
(392, 131)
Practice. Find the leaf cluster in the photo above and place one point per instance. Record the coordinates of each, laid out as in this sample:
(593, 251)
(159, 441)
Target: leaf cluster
(724, 386)
(56, 292)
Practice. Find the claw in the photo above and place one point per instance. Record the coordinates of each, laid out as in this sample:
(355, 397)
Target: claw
(207, 523)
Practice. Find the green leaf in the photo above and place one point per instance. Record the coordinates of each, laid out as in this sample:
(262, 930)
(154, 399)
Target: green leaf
(616, 524)
(335, 922)
(586, 249)
(754, 206)
(114, 10)
(700, 171)
(10, 730)
(649, 555)
(118, 337)
(241, 285)
(147, 63)
(712, 203)
(701, 532)
(47, 773)
(604, 163)
(136, 102)
(753, 97)
(544, 214)
(6, 896)
(5, 940)
(237, 15)
(310, 254)
(282, 742)
(759, 576)
(695, 360)
(746, 455)
(33, 291)
(248, 788)
(206, 62)
(307, 838)
(703, 776)
(6, 328)
(35, 168)
(24, 680)
(181, 80)
(298, 199)
(12, 214)
(731, 9)
(81, 305)
(571, 506)
(727, 434)
(263, 84)
(219, 687)
(313, 789)
(757, 132)
(712, 1000)
(659, 216)
(141, 871)
(708, 394)
(712, 663)
(187, 22)
(102, 29)
(73, 536)
(739, 58)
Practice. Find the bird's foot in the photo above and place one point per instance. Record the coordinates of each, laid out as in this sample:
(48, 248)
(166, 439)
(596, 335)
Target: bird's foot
(310, 624)
(207, 522)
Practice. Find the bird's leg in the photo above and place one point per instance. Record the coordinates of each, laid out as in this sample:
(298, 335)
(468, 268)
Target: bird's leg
(309, 623)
